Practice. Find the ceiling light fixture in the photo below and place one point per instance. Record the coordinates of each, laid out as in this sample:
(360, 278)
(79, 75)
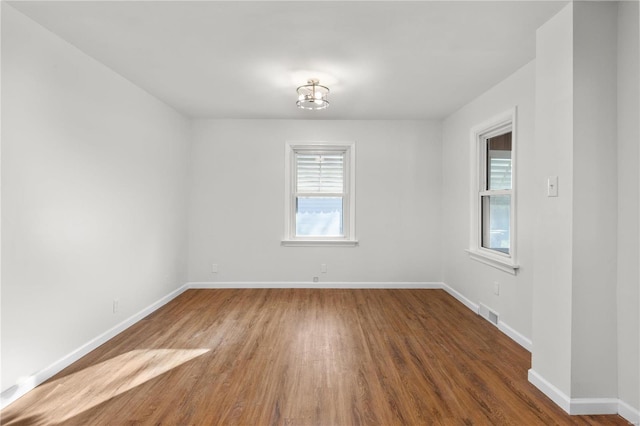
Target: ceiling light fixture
(312, 96)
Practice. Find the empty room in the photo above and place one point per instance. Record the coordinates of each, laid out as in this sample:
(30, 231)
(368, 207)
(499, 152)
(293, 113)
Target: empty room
(320, 212)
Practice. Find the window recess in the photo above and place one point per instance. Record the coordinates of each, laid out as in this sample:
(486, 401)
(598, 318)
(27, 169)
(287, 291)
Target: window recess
(320, 194)
(493, 193)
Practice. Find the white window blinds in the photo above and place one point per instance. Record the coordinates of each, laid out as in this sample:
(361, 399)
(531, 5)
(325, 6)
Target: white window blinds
(499, 170)
(320, 173)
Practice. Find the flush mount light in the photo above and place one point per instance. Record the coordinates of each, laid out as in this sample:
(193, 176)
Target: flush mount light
(312, 96)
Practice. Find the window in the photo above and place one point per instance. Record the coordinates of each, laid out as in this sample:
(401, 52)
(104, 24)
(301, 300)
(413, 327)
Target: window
(493, 193)
(320, 193)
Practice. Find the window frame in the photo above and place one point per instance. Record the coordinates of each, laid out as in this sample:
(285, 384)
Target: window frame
(498, 125)
(348, 207)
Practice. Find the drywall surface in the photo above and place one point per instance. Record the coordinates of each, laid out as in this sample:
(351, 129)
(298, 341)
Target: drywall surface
(575, 314)
(628, 206)
(552, 269)
(237, 202)
(94, 174)
(594, 321)
(473, 279)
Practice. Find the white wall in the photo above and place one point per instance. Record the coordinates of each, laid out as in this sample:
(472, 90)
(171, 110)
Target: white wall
(574, 304)
(94, 174)
(628, 206)
(594, 322)
(551, 357)
(237, 202)
(473, 279)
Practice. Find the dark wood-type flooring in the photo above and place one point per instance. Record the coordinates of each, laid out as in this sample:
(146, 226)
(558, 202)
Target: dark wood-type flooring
(300, 356)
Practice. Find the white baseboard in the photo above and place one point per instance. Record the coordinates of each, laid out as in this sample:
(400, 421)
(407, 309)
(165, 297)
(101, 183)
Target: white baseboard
(520, 339)
(593, 406)
(630, 414)
(581, 406)
(320, 284)
(13, 393)
(516, 336)
(462, 299)
(555, 394)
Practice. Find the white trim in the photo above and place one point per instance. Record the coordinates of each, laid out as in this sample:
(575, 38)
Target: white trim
(506, 121)
(16, 391)
(630, 414)
(593, 406)
(494, 261)
(555, 394)
(574, 406)
(332, 284)
(349, 196)
(516, 336)
(462, 299)
(319, 243)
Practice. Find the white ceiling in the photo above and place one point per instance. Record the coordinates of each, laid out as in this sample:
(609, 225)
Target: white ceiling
(381, 60)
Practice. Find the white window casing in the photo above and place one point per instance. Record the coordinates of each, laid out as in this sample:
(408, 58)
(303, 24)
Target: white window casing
(506, 259)
(320, 171)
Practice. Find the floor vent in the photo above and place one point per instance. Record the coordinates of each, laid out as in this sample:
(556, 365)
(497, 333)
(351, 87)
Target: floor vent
(488, 314)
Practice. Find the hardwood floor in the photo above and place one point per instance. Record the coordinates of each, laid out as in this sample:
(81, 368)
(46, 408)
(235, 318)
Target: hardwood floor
(300, 356)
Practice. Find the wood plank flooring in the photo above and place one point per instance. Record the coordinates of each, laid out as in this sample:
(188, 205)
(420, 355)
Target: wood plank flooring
(300, 357)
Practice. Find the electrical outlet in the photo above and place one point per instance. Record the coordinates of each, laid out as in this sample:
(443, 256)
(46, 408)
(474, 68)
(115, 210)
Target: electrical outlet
(496, 288)
(116, 305)
(323, 268)
(214, 268)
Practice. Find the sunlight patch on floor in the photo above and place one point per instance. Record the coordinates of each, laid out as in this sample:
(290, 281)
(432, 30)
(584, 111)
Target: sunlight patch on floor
(64, 398)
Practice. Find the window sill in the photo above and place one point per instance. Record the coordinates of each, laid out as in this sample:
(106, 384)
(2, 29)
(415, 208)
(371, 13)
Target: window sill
(494, 261)
(319, 243)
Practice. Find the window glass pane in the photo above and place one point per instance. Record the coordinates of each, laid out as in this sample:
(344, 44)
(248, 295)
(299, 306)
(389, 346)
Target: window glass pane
(319, 217)
(499, 162)
(496, 219)
(322, 173)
